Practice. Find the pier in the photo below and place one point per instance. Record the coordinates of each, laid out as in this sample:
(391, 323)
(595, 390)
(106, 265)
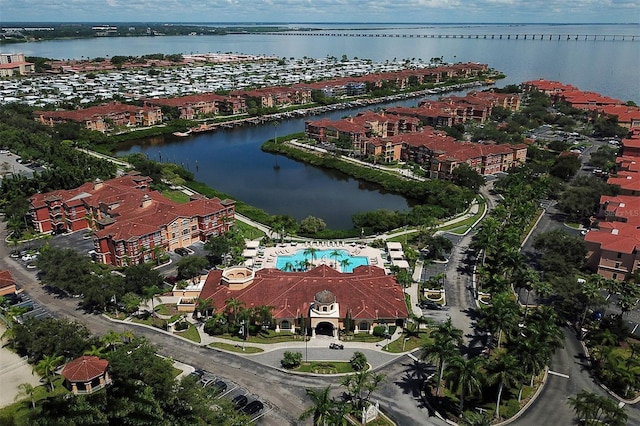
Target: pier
(556, 37)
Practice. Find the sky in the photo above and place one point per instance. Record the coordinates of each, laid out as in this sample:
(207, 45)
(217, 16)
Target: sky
(322, 11)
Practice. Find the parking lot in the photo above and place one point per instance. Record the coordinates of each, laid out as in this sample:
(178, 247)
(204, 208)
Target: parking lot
(242, 399)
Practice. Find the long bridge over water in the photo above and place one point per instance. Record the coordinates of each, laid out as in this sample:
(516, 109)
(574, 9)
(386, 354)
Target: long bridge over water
(562, 37)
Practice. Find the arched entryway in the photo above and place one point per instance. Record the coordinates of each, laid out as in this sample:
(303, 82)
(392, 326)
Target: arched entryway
(324, 328)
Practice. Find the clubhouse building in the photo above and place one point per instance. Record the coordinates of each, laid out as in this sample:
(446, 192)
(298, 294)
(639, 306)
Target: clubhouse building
(322, 300)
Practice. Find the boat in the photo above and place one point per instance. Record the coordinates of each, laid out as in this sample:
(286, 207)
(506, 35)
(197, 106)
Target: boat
(182, 134)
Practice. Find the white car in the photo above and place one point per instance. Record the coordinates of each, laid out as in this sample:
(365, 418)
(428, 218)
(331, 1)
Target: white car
(29, 257)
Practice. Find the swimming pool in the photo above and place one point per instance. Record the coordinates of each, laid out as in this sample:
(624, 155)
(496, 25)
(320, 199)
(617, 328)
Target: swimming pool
(296, 261)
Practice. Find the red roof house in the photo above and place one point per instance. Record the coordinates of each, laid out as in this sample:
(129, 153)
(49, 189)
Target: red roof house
(86, 374)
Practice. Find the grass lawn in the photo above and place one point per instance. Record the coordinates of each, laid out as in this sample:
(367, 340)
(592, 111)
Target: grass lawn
(20, 410)
(324, 367)
(190, 333)
(412, 343)
(265, 337)
(236, 348)
(248, 231)
(462, 226)
(177, 196)
(362, 337)
(162, 310)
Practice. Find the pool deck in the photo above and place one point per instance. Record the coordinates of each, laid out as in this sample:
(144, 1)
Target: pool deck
(269, 257)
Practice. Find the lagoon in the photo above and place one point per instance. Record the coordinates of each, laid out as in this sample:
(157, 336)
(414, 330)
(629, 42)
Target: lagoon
(230, 160)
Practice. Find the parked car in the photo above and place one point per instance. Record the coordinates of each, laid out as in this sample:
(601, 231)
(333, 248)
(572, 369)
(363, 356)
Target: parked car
(239, 401)
(253, 407)
(219, 386)
(29, 257)
(427, 304)
(182, 251)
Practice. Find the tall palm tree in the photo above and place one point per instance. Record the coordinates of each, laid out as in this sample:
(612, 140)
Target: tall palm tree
(46, 367)
(501, 314)
(439, 352)
(344, 264)
(597, 410)
(149, 295)
(232, 306)
(111, 339)
(205, 306)
(464, 375)
(446, 339)
(311, 252)
(28, 391)
(335, 254)
(265, 314)
(322, 405)
(505, 371)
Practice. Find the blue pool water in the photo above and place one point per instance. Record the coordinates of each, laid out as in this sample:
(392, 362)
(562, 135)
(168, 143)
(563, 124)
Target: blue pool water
(296, 260)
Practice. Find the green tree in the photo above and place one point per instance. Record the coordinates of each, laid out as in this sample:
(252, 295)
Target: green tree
(358, 361)
(444, 347)
(597, 410)
(47, 366)
(464, 376)
(189, 267)
(321, 408)
(503, 370)
(312, 225)
(291, 360)
(26, 390)
(361, 385)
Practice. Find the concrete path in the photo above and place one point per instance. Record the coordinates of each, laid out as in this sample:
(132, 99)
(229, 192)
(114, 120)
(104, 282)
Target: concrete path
(13, 372)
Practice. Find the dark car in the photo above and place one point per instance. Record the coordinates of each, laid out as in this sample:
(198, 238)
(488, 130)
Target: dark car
(219, 386)
(182, 251)
(253, 407)
(427, 304)
(239, 401)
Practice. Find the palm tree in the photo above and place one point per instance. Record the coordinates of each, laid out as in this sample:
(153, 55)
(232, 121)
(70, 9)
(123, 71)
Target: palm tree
(111, 339)
(28, 391)
(95, 351)
(476, 419)
(232, 306)
(322, 406)
(344, 264)
(464, 375)
(311, 252)
(335, 254)
(503, 313)
(149, 295)
(265, 314)
(46, 367)
(597, 410)
(361, 385)
(127, 336)
(439, 352)
(505, 371)
(446, 340)
(204, 306)
(288, 267)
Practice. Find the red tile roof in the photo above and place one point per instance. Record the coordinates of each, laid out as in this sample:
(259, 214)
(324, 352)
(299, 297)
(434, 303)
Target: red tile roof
(366, 293)
(6, 280)
(617, 237)
(84, 369)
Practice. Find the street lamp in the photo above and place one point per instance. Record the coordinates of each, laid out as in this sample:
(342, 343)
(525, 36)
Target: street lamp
(243, 333)
(387, 335)
(306, 347)
(404, 343)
